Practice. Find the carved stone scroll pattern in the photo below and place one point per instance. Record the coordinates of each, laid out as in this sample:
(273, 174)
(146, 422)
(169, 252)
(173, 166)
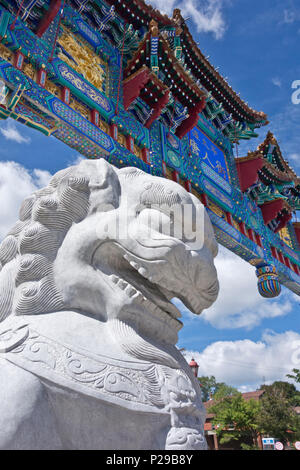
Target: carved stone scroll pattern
(128, 384)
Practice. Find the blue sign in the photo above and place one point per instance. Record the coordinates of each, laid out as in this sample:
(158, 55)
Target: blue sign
(211, 159)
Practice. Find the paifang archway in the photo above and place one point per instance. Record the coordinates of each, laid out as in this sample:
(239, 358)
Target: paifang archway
(121, 81)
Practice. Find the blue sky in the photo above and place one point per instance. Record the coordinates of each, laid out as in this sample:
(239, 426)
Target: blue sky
(243, 339)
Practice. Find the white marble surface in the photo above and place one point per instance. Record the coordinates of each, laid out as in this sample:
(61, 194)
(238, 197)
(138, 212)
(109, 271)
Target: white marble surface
(88, 331)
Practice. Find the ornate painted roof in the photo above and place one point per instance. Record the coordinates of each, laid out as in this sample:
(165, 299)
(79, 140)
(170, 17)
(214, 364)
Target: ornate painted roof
(139, 14)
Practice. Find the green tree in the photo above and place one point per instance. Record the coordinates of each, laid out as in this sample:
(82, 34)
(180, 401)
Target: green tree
(236, 419)
(296, 375)
(289, 390)
(210, 387)
(277, 417)
(223, 390)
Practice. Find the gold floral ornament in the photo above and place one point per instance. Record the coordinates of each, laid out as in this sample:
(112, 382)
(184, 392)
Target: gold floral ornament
(87, 62)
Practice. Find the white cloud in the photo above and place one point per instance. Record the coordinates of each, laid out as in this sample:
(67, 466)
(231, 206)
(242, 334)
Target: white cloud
(164, 6)
(285, 126)
(294, 157)
(208, 18)
(16, 182)
(289, 16)
(75, 160)
(206, 15)
(239, 304)
(10, 132)
(277, 82)
(246, 364)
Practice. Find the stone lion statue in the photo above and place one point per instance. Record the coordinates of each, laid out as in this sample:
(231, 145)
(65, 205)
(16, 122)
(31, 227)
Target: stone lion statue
(88, 330)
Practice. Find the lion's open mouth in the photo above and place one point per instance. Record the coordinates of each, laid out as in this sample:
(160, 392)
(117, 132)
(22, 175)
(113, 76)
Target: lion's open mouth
(115, 261)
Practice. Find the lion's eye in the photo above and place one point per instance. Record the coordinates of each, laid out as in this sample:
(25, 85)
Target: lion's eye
(156, 220)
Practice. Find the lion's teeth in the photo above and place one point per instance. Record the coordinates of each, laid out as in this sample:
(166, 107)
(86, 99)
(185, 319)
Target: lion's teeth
(114, 278)
(143, 271)
(138, 296)
(134, 265)
(122, 284)
(130, 290)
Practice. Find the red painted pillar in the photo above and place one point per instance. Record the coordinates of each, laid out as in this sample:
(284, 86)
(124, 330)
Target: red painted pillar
(42, 77)
(251, 234)
(114, 131)
(258, 239)
(280, 257)
(296, 226)
(146, 155)
(287, 262)
(274, 253)
(65, 95)
(229, 218)
(95, 117)
(130, 143)
(175, 176)
(204, 199)
(296, 269)
(188, 186)
(243, 228)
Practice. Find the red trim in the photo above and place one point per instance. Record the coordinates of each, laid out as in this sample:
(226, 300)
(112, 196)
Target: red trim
(204, 199)
(121, 70)
(192, 120)
(258, 239)
(280, 257)
(130, 143)
(146, 155)
(157, 108)
(95, 117)
(175, 176)
(247, 171)
(42, 77)
(296, 269)
(283, 222)
(274, 253)
(270, 210)
(251, 235)
(57, 31)
(48, 17)
(229, 218)
(188, 186)
(287, 262)
(296, 226)
(243, 228)
(12, 26)
(133, 86)
(19, 60)
(164, 168)
(65, 95)
(114, 131)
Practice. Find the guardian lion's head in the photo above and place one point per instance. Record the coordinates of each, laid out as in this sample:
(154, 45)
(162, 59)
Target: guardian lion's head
(83, 243)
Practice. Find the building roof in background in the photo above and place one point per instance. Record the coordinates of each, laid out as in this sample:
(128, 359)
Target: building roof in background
(256, 395)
